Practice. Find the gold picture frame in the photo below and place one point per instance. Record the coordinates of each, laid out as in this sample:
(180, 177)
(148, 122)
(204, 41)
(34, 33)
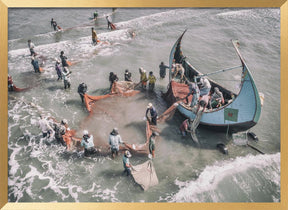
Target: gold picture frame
(5, 4)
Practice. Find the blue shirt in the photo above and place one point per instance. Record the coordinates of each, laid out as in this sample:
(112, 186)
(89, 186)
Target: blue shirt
(125, 162)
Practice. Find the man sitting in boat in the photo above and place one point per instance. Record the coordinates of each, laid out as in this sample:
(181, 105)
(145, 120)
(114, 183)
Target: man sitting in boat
(205, 86)
(203, 102)
(178, 69)
(217, 99)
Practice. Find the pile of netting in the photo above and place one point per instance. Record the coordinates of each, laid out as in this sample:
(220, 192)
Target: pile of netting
(177, 92)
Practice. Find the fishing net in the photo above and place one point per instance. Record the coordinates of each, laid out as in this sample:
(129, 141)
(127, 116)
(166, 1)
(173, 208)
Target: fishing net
(121, 88)
(145, 175)
(143, 148)
(176, 93)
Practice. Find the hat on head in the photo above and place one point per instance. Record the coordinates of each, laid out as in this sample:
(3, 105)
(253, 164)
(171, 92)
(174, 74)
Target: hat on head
(64, 121)
(115, 130)
(149, 105)
(85, 132)
(128, 154)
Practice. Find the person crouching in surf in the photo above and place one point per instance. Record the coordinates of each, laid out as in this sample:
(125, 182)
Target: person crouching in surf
(88, 143)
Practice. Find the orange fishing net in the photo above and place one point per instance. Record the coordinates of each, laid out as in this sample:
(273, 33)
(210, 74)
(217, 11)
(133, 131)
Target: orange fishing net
(121, 88)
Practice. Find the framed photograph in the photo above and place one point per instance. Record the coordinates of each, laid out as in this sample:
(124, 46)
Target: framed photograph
(141, 105)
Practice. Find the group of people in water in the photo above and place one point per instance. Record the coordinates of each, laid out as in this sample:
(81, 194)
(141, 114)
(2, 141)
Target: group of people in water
(199, 90)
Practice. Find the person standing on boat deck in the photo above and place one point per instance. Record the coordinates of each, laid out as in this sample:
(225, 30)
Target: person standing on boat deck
(185, 127)
(82, 89)
(88, 143)
(114, 141)
(66, 77)
(162, 70)
(153, 114)
(63, 59)
(193, 90)
(152, 144)
(31, 47)
(217, 98)
(54, 24)
(60, 130)
(112, 78)
(203, 102)
(58, 69)
(152, 81)
(205, 86)
(143, 77)
(128, 76)
(94, 36)
(126, 163)
(35, 64)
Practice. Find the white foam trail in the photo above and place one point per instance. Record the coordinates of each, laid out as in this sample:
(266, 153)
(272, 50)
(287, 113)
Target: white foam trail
(212, 175)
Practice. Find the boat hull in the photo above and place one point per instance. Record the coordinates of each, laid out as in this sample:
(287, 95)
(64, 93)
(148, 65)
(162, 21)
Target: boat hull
(239, 114)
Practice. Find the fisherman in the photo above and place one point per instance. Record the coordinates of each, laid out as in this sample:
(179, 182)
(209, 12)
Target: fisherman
(10, 84)
(35, 64)
(63, 59)
(114, 141)
(66, 77)
(46, 129)
(109, 22)
(162, 71)
(194, 91)
(58, 69)
(82, 89)
(185, 127)
(152, 81)
(217, 98)
(205, 86)
(95, 15)
(112, 78)
(203, 102)
(153, 114)
(60, 130)
(88, 143)
(152, 144)
(126, 163)
(178, 69)
(54, 24)
(31, 47)
(128, 76)
(94, 36)
(143, 77)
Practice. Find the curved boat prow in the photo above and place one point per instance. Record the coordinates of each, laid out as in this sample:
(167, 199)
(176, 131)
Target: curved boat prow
(175, 47)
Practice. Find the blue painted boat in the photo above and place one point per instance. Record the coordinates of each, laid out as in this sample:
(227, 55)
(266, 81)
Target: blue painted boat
(239, 113)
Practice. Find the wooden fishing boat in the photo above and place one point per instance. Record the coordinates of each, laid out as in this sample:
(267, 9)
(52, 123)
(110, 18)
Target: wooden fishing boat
(239, 113)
